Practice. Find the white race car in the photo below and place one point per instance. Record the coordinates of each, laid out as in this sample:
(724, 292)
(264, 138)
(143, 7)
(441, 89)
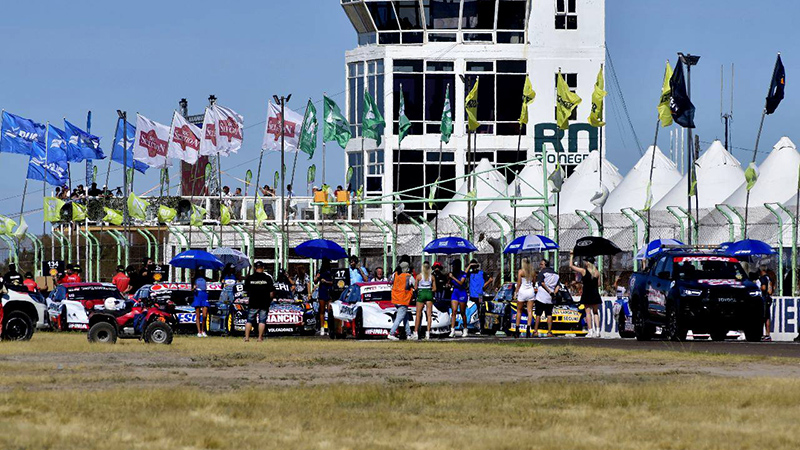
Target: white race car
(366, 309)
(69, 303)
(23, 312)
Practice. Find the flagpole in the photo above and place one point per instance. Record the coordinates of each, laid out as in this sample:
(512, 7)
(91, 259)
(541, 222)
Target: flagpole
(752, 161)
(44, 194)
(650, 184)
(438, 180)
(285, 209)
(516, 181)
(363, 185)
(397, 174)
(257, 199)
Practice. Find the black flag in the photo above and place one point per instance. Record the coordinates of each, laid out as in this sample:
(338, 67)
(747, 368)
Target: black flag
(679, 104)
(776, 87)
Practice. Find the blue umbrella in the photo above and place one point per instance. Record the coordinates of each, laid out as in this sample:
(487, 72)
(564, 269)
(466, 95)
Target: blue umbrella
(749, 247)
(321, 249)
(655, 248)
(196, 260)
(229, 255)
(450, 246)
(530, 243)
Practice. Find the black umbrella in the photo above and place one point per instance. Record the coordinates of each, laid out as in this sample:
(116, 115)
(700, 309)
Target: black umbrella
(595, 246)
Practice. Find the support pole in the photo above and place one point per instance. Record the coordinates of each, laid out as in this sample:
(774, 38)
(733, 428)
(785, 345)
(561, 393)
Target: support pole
(627, 212)
(774, 209)
(378, 224)
(676, 214)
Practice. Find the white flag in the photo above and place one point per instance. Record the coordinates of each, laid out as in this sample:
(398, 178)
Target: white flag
(229, 130)
(184, 142)
(208, 145)
(293, 122)
(151, 142)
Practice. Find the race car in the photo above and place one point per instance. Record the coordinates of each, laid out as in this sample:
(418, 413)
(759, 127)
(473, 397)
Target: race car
(622, 312)
(21, 313)
(366, 310)
(69, 304)
(288, 314)
(500, 313)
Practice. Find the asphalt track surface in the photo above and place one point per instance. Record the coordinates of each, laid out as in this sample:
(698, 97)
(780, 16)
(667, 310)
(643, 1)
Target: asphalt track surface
(773, 349)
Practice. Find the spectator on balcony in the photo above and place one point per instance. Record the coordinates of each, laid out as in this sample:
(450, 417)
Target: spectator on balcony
(341, 197)
(94, 191)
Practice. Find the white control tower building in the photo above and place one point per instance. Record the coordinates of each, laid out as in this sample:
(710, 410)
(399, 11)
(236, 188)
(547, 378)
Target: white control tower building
(427, 45)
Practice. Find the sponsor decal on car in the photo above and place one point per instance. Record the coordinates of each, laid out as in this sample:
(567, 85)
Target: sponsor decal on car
(375, 288)
(280, 330)
(656, 296)
(679, 259)
(284, 318)
(376, 332)
(171, 287)
(186, 317)
(735, 283)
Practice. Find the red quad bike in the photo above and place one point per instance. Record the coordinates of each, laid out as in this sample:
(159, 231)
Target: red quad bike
(150, 322)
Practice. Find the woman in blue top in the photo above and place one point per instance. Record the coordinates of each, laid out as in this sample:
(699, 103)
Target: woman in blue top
(200, 303)
(458, 300)
(229, 275)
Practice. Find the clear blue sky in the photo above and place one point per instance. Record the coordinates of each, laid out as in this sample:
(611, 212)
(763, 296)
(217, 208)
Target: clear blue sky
(62, 59)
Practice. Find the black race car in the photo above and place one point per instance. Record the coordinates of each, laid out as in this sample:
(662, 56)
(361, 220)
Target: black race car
(288, 313)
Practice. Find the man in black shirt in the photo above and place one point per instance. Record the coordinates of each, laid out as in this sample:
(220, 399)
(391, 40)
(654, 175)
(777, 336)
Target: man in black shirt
(765, 283)
(12, 277)
(260, 290)
(442, 283)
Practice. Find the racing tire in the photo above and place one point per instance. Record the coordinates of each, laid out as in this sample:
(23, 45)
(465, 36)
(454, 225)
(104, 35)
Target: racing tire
(641, 329)
(331, 325)
(358, 325)
(676, 331)
(62, 319)
(754, 332)
(17, 326)
(158, 333)
(103, 333)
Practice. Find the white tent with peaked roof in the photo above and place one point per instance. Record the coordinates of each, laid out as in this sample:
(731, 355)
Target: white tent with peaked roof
(632, 191)
(584, 183)
(488, 184)
(529, 181)
(777, 178)
(719, 174)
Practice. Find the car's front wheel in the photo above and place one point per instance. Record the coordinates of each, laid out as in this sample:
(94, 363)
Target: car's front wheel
(621, 323)
(102, 332)
(676, 331)
(358, 325)
(17, 326)
(719, 335)
(158, 333)
(332, 332)
(643, 330)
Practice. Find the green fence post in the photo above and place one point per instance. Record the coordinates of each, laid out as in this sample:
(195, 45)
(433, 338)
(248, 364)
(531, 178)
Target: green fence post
(773, 208)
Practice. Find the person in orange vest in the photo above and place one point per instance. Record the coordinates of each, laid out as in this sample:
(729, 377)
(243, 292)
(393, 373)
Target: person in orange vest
(403, 285)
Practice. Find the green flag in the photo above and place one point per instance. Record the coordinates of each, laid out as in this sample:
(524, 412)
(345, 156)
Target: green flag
(528, 95)
(248, 177)
(22, 229)
(277, 181)
(404, 125)
(137, 207)
(447, 117)
(94, 174)
(648, 203)
(471, 105)
(751, 175)
(312, 174)
(52, 209)
(566, 102)
(664, 113)
(336, 126)
(166, 214)
(224, 215)
(308, 133)
(693, 184)
(7, 225)
(261, 215)
(596, 116)
(113, 216)
(78, 212)
(197, 216)
(349, 175)
(372, 120)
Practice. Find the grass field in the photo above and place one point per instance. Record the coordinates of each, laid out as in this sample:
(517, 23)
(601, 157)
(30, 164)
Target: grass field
(58, 392)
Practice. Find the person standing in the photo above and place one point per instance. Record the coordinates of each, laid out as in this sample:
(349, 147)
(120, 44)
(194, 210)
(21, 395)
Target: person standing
(12, 277)
(547, 281)
(590, 295)
(458, 299)
(30, 283)
(121, 280)
(200, 303)
(324, 282)
(358, 274)
(425, 292)
(302, 283)
(379, 276)
(260, 290)
(402, 292)
(524, 295)
(478, 282)
(765, 284)
(228, 275)
(441, 281)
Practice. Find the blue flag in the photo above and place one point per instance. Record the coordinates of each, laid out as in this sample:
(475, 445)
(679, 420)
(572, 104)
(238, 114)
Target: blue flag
(119, 145)
(82, 145)
(19, 134)
(55, 171)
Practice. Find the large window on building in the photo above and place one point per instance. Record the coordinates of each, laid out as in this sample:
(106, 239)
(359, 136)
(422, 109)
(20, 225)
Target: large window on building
(361, 75)
(572, 82)
(421, 167)
(566, 15)
(423, 85)
(499, 94)
(511, 18)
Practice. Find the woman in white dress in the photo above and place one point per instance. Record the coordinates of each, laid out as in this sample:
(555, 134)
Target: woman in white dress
(525, 294)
